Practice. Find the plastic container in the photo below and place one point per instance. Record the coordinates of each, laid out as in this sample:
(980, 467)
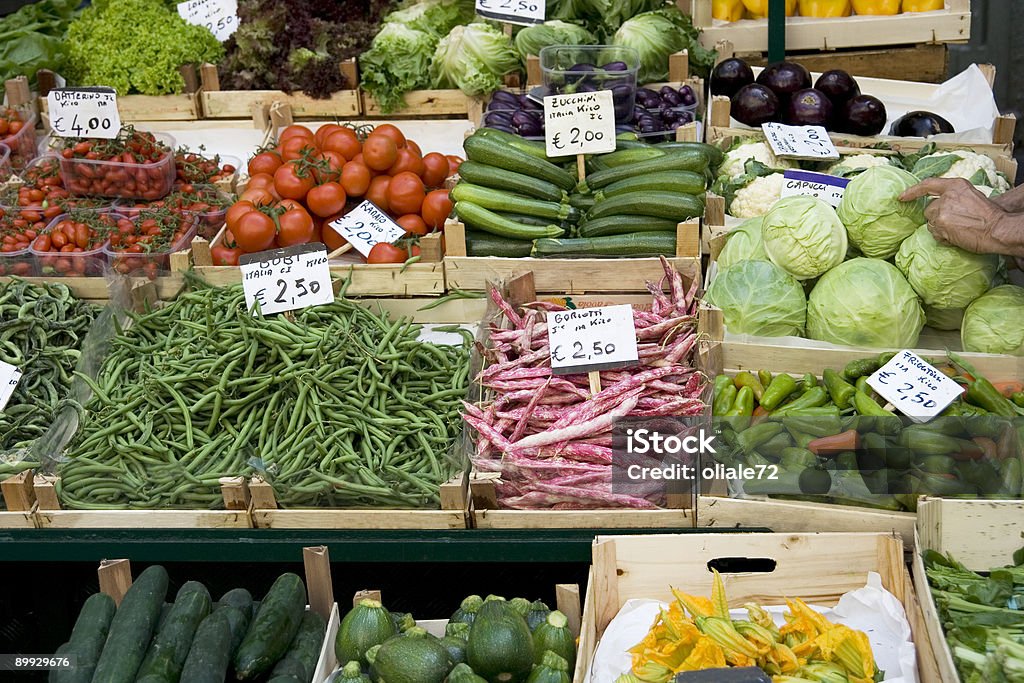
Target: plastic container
(88, 177)
(87, 263)
(21, 263)
(147, 264)
(580, 68)
(209, 222)
(226, 183)
(23, 143)
(5, 163)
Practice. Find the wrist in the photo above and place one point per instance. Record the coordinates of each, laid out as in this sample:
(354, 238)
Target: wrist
(1007, 235)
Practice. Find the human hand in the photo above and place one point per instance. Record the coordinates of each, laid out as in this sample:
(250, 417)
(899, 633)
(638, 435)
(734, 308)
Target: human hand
(959, 215)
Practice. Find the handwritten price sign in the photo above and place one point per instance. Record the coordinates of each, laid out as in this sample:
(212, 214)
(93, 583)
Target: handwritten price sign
(828, 188)
(287, 279)
(9, 378)
(84, 112)
(799, 142)
(219, 16)
(513, 11)
(915, 387)
(581, 123)
(589, 339)
(365, 226)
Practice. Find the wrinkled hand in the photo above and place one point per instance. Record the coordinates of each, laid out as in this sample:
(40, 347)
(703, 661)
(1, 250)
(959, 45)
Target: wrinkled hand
(959, 215)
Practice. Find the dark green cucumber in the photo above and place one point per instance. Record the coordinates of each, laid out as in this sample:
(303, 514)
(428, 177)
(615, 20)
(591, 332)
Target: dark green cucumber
(695, 160)
(503, 179)
(681, 182)
(272, 629)
(677, 207)
(167, 653)
(621, 225)
(715, 154)
(476, 216)
(304, 651)
(489, 151)
(533, 148)
(132, 627)
(499, 200)
(240, 598)
(210, 655)
(87, 638)
(622, 157)
(484, 244)
(632, 244)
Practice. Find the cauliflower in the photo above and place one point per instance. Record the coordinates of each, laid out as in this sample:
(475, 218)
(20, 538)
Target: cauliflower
(735, 159)
(757, 197)
(977, 168)
(850, 165)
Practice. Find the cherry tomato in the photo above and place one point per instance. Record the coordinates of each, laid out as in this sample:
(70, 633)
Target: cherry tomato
(254, 231)
(264, 162)
(378, 192)
(437, 206)
(413, 224)
(324, 200)
(379, 152)
(296, 227)
(355, 178)
(390, 131)
(405, 193)
(382, 252)
(435, 169)
(293, 181)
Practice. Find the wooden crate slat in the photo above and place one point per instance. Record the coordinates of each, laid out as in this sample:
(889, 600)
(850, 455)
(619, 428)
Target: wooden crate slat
(144, 519)
(239, 104)
(422, 103)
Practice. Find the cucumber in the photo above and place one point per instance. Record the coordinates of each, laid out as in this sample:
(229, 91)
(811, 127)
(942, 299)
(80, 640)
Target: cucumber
(525, 220)
(677, 207)
(167, 653)
(533, 148)
(631, 244)
(210, 655)
(681, 182)
(475, 216)
(87, 638)
(502, 179)
(272, 629)
(132, 627)
(695, 160)
(487, 150)
(620, 225)
(715, 154)
(499, 200)
(304, 651)
(484, 244)
(621, 157)
(240, 598)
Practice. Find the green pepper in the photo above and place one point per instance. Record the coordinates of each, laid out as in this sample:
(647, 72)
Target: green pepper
(812, 398)
(720, 385)
(980, 392)
(926, 442)
(764, 377)
(793, 458)
(723, 402)
(847, 460)
(943, 424)
(823, 425)
(961, 409)
(801, 438)
(860, 368)
(774, 446)
(885, 357)
(748, 379)
(743, 405)
(862, 385)
(839, 389)
(1018, 398)
(865, 406)
(810, 381)
(751, 438)
(1010, 474)
(780, 388)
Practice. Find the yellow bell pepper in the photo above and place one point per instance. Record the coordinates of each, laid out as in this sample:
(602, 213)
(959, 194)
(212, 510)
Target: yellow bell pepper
(727, 10)
(923, 5)
(825, 8)
(876, 6)
(759, 8)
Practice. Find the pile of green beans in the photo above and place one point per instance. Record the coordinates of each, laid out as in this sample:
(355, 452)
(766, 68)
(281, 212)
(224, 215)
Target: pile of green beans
(335, 405)
(42, 328)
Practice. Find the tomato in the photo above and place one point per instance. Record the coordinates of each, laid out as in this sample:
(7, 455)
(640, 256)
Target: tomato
(296, 148)
(293, 181)
(329, 236)
(225, 256)
(323, 131)
(254, 231)
(453, 164)
(437, 206)
(324, 200)
(258, 196)
(413, 224)
(355, 178)
(261, 181)
(237, 210)
(295, 130)
(334, 161)
(344, 142)
(405, 193)
(412, 146)
(435, 169)
(382, 252)
(378, 192)
(379, 152)
(407, 161)
(296, 227)
(390, 131)
(264, 162)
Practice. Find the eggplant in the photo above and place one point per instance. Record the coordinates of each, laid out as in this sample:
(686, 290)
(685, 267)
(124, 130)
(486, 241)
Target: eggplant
(668, 114)
(809, 107)
(755, 104)
(529, 129)
(506, 99)
(648, 98)
(920, 124)
(670, 96)
(499, 118)
(616, 66)
(684, 117)
(862, 115)
(688, 96)
(838, 85)
(729, 76)
(784, 78)
(623, 128)
(577, 72)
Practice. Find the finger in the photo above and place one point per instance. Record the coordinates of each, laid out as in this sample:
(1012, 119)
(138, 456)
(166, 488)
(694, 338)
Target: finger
(932, 211)
(931, 186)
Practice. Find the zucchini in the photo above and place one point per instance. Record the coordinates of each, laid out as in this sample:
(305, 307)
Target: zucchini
(484, 244)
(487, 150)
(476, 216)
(593, 164)
(272, 629)
(531, 147)
(499, 200)
(300, 660)
(132, 627)
(621, 157)
(503, 179)
(87, 638)
(677, 207)
(715, 154)
(695, 160)
(583, 202)
(525, 220)
(210, 654)
(681, 182)
(631, 244)
(620, 225)
(167, 653)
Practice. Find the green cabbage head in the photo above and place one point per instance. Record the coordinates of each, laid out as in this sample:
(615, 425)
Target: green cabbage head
(943, 275)
(531, 39)
(994, 323)
(743, 244)
(473, 58)
(875, 218)
(865, 302)
(943, 318)
(803, 236)
(759, 298)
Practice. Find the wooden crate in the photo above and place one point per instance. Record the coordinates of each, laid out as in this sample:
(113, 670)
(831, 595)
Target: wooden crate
(240, 104)
(951, 24)
(924, 63)
(185, 106)
(818, 568)
(19, 499)
(423, 104)
(981, 534)
(97, 289)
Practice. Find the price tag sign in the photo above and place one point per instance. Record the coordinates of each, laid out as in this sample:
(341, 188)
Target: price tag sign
(84, 112)
(590, 339)
(9, 378)
(828, 188)
(581, 123)
(799, 142)
(916, 388)
(219, 16)
(365, 226)
(513, 11)
(287, 279)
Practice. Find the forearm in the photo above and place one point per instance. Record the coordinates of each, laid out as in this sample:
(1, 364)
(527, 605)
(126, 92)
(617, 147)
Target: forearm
(1011, 201)
(1008, 235)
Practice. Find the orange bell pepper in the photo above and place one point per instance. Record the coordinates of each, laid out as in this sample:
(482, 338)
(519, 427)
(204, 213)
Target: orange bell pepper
(759, 8)
(825, 8)
(876, 6)
(923, 5)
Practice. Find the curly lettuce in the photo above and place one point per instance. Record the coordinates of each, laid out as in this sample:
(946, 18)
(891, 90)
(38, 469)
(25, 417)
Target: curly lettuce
(473, 59)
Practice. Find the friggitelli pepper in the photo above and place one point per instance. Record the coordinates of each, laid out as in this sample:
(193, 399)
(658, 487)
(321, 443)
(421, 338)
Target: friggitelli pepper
(780, 388)
(749, 379)
(812, 398)
(824, 8)
(839, 389)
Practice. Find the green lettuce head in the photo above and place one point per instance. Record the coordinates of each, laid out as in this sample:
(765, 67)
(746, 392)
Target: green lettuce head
(804, 237)
(994, 323)
(531, 39)
(656, 35)
(875, 218)
(759, 298)
(943, 275)
(865, 302)
(473, 59)
(436, 17)
(743, 243)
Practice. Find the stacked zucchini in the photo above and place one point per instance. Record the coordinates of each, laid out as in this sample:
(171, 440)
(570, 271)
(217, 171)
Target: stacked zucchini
(517, 202)
(194, 639)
